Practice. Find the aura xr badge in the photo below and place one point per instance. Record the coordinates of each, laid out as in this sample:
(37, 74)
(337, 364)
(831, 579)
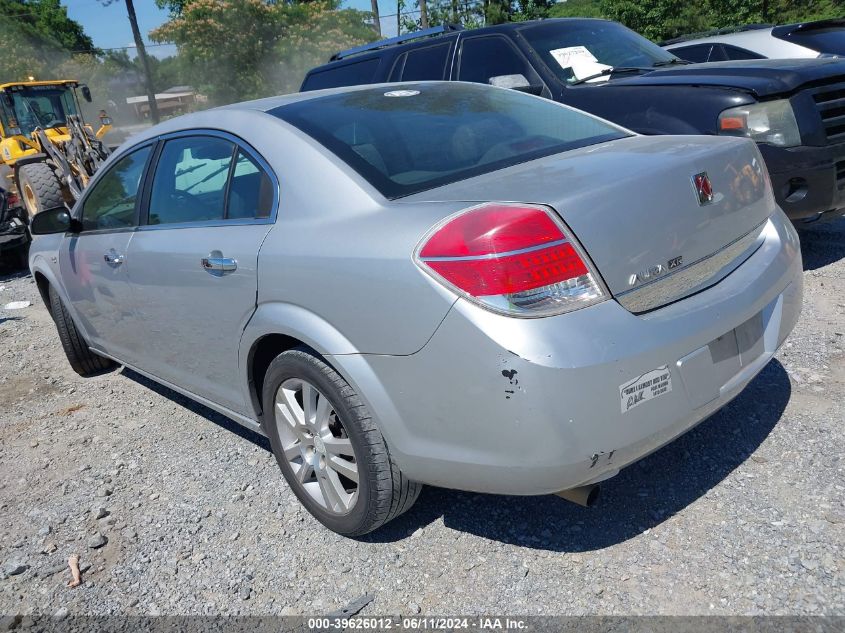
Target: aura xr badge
(653, 272)
(703, 188)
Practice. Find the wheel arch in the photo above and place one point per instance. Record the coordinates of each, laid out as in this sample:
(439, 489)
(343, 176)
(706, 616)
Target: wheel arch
(43, 285)
(278, 327)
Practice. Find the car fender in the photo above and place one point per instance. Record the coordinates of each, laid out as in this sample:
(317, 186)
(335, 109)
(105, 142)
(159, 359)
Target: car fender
(287, 319)
(38, 264)
(300, 323)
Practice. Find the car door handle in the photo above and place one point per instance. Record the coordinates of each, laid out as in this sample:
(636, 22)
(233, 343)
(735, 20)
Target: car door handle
(113, 257)
(217, 264)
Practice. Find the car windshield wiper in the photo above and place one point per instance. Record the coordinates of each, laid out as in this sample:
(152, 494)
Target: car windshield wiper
(671, 62)
(612, 71)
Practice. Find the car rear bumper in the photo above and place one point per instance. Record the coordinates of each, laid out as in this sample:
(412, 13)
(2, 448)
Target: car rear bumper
(533, 406)
(808, 181)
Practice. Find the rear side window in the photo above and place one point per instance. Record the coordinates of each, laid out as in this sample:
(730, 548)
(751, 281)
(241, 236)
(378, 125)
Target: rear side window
(251, 190)
(190, 180)
(697, 53)
(422, 64)
(735, 52)
(361, 72)
(412, 137)
(111, 203)
(492, 56)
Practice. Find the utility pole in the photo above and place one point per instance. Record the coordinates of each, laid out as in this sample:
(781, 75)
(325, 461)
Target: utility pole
(423, 14)
(376, 18)
(142, 54)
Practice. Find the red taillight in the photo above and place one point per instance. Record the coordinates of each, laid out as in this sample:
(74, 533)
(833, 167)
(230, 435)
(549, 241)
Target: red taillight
(12, 200)
(512, 258)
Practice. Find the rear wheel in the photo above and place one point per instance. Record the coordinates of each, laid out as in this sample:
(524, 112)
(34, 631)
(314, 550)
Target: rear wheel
(40, 189)
(328, 447)
(83, 361)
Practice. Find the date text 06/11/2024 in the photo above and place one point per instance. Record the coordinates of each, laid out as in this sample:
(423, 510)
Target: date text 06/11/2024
(415, 623)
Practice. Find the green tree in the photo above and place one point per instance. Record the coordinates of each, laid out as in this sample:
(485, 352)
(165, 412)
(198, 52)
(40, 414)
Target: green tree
(37, 35)
(664, 19)
(243, 49)
(576, 9)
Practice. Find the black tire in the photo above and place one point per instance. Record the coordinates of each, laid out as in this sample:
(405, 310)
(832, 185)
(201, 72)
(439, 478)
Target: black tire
(39, 188)
(383, 491)
(83, 361)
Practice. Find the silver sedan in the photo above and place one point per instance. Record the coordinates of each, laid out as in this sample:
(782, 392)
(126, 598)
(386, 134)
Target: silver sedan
(429, 283)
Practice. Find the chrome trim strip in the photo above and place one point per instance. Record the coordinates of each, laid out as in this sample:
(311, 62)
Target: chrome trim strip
(680, 283)
(519, 251)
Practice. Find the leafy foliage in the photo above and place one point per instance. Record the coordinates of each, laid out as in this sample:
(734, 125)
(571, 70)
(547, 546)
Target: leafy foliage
(37, 34)
(243, 49)
(664, 19)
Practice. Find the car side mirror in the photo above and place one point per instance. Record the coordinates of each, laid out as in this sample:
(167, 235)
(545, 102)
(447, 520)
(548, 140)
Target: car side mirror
(55, 220)
(516, 82)
(86, 92)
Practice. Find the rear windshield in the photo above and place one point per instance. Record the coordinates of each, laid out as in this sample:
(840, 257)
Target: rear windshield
(830, 40)
(406, 138)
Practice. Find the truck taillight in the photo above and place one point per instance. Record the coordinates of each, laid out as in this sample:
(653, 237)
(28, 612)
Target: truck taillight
(515, 259)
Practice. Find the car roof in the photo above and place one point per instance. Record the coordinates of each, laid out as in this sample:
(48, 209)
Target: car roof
(349, 57)
(758, 40)
(733, 37)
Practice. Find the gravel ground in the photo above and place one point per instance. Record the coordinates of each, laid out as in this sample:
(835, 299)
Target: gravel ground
(172, 509)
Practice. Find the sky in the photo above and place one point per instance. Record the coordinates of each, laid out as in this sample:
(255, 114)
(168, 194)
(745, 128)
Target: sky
(109, 26)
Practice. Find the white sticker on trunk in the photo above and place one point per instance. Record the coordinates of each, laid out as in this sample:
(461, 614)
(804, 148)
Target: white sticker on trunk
(650, 385)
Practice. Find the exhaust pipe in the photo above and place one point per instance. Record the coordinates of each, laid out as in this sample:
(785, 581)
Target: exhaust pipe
(582, 495)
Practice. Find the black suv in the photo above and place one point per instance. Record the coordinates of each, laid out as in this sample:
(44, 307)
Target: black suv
(794, 109)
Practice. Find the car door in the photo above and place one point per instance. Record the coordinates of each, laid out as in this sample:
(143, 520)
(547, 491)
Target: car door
(193, 276)
(92, 263)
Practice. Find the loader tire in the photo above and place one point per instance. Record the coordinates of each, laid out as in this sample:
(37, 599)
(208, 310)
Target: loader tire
(83, 361)
(39, 188)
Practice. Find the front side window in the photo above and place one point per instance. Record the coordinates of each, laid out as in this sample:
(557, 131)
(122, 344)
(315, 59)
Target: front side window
(111, 202)
(491, 56)
(190, 180)
(411, 137)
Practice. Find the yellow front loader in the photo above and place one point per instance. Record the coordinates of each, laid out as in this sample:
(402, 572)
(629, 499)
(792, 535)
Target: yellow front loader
(47, 152)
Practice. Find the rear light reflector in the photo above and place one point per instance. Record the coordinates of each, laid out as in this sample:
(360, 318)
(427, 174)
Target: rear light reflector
(513, 259)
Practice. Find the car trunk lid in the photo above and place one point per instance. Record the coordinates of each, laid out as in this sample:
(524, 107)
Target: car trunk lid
(634, 206)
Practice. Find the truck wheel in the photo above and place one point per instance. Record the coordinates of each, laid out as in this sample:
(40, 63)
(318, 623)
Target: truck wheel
(39, 188)
(83, 361)
(329, 448)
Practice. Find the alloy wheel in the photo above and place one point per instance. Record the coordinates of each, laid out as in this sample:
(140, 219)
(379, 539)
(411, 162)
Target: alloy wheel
(316, 445)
